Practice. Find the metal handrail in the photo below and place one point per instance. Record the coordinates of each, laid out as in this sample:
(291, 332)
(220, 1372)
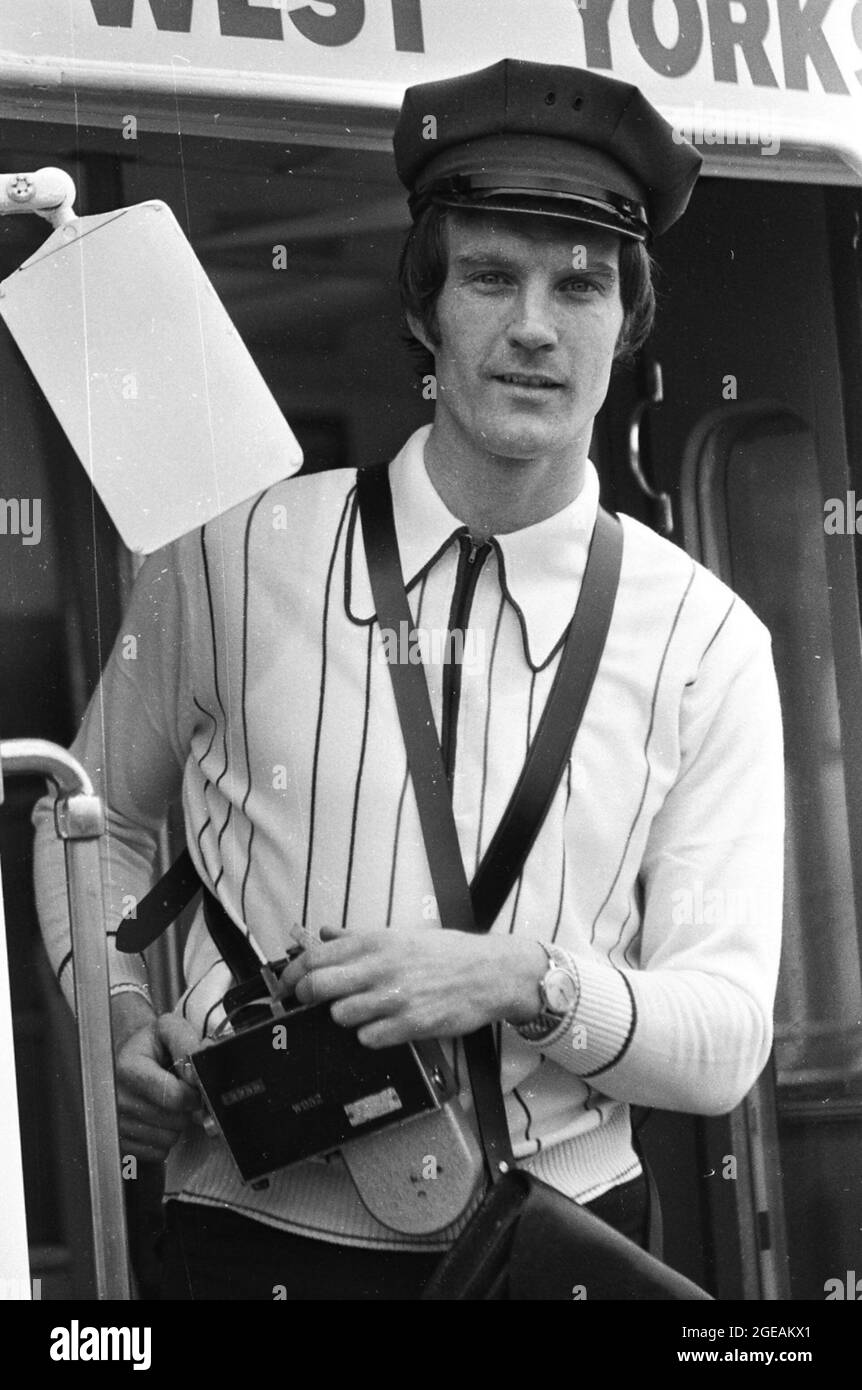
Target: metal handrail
(653, 395)
(80, 820)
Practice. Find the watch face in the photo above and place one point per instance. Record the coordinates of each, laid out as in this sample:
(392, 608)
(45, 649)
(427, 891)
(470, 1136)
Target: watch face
(560, 991)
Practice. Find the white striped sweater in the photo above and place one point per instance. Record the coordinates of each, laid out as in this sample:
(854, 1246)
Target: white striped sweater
(250, 678)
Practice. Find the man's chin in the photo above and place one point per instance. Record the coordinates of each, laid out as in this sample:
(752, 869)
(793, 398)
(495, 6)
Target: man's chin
(520, 444)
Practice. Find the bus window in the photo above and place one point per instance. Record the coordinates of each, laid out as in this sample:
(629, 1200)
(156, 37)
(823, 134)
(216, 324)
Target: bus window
(753, 510)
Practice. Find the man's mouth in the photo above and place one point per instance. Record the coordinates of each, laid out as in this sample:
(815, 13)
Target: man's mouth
(529, 380)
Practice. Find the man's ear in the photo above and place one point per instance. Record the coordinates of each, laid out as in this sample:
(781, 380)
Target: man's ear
(419, 332)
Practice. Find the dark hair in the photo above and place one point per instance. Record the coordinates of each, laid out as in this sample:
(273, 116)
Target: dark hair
(422, 275)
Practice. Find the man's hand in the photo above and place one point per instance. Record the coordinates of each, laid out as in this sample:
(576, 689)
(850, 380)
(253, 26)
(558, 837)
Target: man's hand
(153, 1105)
(397, 986)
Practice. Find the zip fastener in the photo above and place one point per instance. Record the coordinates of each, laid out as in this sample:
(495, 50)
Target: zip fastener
(473, 555)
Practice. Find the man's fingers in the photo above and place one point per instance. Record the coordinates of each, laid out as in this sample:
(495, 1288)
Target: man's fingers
(345, 963)
(336, 933)
(314, 953)
(176, 1036)
(335, 981)
(151, 1083)
(364, 1008)
(145, 1153)
(156, 1137)
(135, 1109)
(148, 1143)
(387, 1032)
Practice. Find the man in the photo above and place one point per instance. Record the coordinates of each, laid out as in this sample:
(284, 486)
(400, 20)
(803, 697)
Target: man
(257, 692)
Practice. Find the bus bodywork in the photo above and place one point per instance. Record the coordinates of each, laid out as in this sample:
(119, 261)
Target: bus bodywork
(266, 126)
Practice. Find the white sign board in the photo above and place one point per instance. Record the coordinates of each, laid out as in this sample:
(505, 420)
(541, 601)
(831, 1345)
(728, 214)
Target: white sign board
(773, 71)
(146, 373)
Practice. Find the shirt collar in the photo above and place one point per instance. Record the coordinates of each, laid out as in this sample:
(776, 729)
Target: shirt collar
(541, 566)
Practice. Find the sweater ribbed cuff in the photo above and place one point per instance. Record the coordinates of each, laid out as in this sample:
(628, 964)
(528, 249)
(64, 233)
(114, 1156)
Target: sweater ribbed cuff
(130, 987)
(602, 1025)
(126, 971)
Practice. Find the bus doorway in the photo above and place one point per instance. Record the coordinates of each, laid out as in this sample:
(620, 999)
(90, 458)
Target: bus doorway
(758, 341)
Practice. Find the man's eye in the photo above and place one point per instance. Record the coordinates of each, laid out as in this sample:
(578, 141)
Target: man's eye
(580, 286)
(489, 278)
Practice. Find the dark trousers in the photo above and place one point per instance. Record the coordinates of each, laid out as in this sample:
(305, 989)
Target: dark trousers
(211, 1253)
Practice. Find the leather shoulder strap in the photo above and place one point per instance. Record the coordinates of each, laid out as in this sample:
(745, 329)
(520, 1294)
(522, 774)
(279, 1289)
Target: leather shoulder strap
(424, 757)
(561, 718)
(536, 786)
(161, 906)
(550, 746)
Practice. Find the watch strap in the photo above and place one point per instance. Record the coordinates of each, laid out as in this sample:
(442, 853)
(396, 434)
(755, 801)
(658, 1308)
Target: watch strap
(548, 1025)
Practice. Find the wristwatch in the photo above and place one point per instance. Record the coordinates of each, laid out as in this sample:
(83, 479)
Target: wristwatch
(559, 991)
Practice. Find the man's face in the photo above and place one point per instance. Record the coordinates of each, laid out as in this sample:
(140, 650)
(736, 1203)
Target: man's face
(529, 316)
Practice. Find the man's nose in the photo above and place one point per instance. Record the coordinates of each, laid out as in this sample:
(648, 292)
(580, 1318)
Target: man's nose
(533, 326)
